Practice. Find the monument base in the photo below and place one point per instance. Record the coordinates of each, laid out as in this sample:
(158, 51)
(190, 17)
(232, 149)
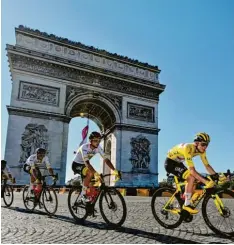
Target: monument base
(133, 179)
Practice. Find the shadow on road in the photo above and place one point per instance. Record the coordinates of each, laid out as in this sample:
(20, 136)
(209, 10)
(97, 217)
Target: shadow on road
(103, 226)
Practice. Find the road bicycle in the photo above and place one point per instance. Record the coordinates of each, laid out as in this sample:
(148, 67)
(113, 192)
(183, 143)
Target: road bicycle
(111, 202)
(7, 193)
(217, 207)
(46, 198)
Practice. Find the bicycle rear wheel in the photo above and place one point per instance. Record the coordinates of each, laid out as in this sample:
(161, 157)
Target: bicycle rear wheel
(169, 217)
(50, 200)
(76, 207)
(112, 207)
(222, 224)
(8, 195)
(29, 198)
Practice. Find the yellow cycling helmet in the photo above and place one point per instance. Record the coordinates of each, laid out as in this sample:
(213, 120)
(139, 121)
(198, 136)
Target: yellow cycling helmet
(202, 137)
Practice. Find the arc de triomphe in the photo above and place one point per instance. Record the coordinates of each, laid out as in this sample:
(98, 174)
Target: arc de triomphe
(55, 80)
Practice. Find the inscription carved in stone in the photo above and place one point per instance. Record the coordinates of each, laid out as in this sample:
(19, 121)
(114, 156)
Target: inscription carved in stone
(140, 154)
(39, 93)
(33, 137)
(140, 112)
(84, 57)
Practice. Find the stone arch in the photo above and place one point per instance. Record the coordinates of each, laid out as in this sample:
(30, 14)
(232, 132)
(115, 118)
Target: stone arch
(98, 107)
(54, 80)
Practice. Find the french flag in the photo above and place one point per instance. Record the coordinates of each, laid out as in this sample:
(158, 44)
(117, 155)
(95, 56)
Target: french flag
(84, 135)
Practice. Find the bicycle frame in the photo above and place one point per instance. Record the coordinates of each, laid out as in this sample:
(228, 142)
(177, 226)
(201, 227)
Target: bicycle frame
(178, 190)
(100, 188)
(217, 201)
(101, 183)
(37, 200)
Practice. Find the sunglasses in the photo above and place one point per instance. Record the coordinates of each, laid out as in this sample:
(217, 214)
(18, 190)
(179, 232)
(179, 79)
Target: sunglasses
(96, 140)
(204, 144)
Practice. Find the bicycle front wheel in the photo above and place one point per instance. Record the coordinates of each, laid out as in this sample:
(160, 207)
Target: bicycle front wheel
(219, 221)
(29, 198)
(112, 207)
(76, 207)
(166, 208)
(8, 195)
(50, 200)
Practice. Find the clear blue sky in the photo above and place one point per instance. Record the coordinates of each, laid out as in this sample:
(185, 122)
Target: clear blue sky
(192, 42)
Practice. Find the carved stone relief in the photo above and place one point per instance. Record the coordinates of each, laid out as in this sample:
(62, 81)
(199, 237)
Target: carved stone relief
(33, 137)
(73, 91)
(117, 100)
(39, 93)
(140, 154)
(49, 69)
(140, 112)
(84, 57)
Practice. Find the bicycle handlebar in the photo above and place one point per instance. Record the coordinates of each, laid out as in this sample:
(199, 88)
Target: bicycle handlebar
(52, 175)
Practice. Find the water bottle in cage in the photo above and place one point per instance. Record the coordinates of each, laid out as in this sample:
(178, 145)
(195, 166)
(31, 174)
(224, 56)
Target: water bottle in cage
(37, 190)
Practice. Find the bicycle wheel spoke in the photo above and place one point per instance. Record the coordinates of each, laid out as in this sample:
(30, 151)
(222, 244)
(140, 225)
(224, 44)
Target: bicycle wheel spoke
(29, 201)
(7, 194)
(220, 222)
(76, 207)
(228, 220)
(166, 208)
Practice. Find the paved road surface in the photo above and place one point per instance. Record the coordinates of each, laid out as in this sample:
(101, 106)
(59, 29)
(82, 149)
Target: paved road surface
(19, 226)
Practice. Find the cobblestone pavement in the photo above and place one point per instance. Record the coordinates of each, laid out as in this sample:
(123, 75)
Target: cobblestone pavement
(20, 226)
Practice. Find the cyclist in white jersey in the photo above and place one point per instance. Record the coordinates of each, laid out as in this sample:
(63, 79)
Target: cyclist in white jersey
(38, 163)
(81, 164)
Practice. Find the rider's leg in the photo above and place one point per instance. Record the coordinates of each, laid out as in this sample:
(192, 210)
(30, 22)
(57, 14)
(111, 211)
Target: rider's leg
(88, 178)
(32, 184)
(188, 194)
(36, 187)
(189, 190)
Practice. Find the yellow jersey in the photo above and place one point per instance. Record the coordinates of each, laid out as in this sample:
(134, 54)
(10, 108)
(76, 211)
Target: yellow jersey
(185, 152)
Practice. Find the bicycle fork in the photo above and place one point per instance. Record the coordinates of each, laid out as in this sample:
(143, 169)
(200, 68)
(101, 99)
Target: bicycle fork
(167, 205)
(218, 203)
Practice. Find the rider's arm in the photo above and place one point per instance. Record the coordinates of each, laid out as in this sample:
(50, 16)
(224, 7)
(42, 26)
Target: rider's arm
(209, 169)
(105, 158)
(109, 163)
(196, 175)
(90, 167)
(48, 166)
(188, 160)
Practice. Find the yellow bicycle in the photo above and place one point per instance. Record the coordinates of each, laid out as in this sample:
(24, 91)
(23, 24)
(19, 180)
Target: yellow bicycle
(217, 207)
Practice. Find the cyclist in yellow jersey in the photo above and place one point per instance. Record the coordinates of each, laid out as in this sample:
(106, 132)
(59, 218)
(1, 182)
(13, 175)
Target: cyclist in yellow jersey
(184, 153)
